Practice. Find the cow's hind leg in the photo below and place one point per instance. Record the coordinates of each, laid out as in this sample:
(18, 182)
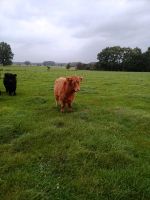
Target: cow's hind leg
(7, 90)
(56, 100)
(10, 93)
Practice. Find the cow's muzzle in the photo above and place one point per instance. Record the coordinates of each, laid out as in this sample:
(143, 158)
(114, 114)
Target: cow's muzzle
(77, 90)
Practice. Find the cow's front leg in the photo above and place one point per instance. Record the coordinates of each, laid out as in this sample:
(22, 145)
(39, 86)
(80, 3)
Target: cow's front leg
(10, 93)
(69, 107)
(62, 106)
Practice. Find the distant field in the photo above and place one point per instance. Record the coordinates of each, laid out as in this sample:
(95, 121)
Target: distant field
(100, 151)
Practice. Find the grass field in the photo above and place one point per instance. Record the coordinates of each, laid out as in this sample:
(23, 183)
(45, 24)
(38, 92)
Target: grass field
(100, 151)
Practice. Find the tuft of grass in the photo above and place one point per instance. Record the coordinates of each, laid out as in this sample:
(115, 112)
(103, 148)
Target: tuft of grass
(11, 132)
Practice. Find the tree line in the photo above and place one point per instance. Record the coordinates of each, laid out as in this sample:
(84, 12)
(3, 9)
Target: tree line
(123, 59)
(110, 59)
(120, 59)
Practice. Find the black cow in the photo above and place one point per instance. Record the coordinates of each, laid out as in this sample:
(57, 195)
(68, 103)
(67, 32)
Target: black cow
(10, 83)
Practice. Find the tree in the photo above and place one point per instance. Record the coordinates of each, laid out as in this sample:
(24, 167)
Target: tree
(80, 66)
(49, 63)
(27, 63)
(146, 60)
(111, 58)
(132, 59)
(6, 54)
(68, 66)
(123, 59)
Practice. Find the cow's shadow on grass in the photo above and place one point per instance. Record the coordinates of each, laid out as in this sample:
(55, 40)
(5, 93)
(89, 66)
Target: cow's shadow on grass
(75, 109)
(4, 95)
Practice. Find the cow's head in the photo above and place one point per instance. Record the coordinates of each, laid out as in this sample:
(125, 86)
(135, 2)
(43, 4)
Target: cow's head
(74, 83)
(10, 76)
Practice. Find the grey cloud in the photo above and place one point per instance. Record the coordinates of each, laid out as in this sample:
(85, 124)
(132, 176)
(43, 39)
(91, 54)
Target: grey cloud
(65, 30)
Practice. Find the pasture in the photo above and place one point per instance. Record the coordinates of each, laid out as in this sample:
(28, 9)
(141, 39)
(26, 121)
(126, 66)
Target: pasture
(99, 151)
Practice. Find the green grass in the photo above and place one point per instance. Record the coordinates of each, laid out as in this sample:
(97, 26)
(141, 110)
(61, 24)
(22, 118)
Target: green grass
(99, 151)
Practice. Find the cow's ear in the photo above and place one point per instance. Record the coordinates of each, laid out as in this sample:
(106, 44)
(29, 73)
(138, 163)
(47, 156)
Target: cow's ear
(81, 78)
(15, 74)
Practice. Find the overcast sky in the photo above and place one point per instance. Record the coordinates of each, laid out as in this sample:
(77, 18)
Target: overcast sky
(72, 30)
